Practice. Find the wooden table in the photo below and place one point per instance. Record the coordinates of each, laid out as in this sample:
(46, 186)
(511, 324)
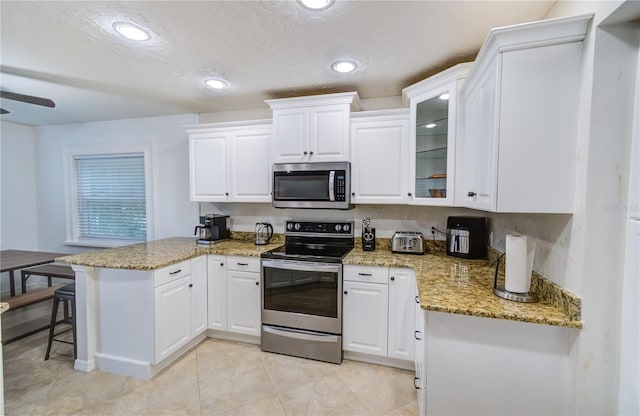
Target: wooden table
(11, 260)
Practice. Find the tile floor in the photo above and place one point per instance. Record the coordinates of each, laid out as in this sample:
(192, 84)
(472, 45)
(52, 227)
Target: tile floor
(215, 378)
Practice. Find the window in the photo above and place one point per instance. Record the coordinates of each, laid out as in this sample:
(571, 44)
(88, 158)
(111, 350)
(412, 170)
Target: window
(108, 199)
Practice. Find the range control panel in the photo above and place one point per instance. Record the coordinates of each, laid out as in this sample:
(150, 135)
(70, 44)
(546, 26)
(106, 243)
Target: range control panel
(342, 228)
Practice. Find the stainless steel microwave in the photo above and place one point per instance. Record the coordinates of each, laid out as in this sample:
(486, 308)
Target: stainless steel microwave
(312, 185)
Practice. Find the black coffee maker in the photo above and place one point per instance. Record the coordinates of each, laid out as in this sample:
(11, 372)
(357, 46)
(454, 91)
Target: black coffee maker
(212, 228)
(467, 237)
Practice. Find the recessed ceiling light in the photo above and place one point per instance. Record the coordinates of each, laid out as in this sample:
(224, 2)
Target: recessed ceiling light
(343, 66)
(217, 84)
(444, 96)
(316, 4)
(430, 125)
(131, 31)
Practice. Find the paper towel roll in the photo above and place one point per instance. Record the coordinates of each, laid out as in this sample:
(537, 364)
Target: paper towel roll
(519, 263)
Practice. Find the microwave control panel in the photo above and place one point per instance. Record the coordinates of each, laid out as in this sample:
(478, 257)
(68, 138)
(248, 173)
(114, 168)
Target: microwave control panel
(340, 185)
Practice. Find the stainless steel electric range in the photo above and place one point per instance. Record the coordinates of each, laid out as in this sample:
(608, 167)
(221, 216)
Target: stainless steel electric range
(302, 290)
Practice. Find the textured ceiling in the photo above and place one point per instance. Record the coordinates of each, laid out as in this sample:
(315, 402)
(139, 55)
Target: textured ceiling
(69, 52)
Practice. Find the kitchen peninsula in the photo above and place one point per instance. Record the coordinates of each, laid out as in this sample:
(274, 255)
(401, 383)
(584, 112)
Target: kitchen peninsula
(120, 328)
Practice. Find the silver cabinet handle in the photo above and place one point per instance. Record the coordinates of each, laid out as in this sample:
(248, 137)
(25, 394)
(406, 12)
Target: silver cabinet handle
(414, 383)
(176, 272)
(417, 299)
(415, 335)
(243, 264)
(365, 274)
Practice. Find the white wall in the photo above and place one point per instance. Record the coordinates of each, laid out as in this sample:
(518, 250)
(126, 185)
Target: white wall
(18, 217)
(18, 227)
(385, 218)
(174, 214)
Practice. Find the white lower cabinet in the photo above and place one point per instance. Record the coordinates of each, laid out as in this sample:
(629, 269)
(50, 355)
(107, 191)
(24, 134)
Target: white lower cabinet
(180, 308)
(364, 327)
(420, 380)
(172, 316)
(234, 294)
(378, 311)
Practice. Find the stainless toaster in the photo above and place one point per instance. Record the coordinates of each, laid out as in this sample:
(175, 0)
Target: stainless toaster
(410, 242)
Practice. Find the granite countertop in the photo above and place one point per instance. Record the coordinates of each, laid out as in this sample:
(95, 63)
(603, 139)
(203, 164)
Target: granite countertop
(160, 253)
(3, 307)
(445, 284)
(455, 285)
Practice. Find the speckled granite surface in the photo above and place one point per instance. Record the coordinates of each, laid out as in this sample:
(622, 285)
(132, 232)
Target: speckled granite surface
(3, 307)
(453, 285)
(159, 253)
(445, 284)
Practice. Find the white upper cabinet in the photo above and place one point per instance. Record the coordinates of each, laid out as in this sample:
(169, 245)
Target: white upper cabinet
(312, 129)
(433, 135)
(229, 162)
(208, 166)
(379, 153)
(518, 119)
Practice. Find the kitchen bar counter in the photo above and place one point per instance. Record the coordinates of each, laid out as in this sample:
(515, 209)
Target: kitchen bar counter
(459, 286)
(160, 253)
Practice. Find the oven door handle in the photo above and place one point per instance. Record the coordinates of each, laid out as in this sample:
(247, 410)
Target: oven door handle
(292, 333)
(301, 266)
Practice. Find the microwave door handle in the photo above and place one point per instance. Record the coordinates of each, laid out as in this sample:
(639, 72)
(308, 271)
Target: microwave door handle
(332, 179)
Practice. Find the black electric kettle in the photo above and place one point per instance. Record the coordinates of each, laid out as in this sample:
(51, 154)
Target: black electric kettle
(264, 232)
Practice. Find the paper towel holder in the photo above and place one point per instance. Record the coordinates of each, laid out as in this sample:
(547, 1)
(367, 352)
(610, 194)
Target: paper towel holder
(499, 290)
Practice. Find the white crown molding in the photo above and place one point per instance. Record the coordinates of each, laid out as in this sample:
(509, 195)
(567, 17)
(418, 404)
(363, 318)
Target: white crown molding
(350, 98)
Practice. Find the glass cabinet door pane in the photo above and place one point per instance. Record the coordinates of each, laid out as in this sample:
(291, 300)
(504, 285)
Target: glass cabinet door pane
(432, 120)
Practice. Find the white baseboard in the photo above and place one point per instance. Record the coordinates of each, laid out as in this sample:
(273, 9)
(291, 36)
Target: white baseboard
(84, 366)
(141, 369)
(376, 359)
(232, 336)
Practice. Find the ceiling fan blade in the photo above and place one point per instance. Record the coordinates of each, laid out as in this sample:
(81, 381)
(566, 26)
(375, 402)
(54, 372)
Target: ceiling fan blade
(45, 102)
(3, 111)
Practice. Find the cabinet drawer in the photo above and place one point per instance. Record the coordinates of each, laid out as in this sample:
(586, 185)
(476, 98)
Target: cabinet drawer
(366, 274)
(247, 264)
(170, 273)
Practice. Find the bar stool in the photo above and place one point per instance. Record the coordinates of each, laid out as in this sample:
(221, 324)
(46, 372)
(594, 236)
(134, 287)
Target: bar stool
(66, 294)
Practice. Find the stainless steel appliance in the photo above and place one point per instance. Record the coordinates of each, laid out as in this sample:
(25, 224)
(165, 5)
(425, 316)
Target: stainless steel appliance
(212, 228)
(312, 185)
(302, 290)
(264, 232)
(410, 242)
(467, 237)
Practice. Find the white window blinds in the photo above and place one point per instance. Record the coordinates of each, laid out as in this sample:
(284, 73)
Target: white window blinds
(110, 197)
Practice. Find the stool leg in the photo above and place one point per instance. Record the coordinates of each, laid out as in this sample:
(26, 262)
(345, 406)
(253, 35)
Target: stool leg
(65, 305)
(73, 325)
(54, 313)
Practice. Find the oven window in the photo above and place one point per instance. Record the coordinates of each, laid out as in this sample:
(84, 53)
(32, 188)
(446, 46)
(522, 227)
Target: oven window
(306, 292)
(301, 186)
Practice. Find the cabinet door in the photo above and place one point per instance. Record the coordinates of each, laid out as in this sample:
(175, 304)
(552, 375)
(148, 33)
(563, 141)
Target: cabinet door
(172, 317)
(198, 295)
(402, 292)
(433, 140)
(290, 141)
(364, 325)
(208, 167)
(217, 292)
(379, 161)
(420, 380)
(329, 133)
(243, 307)
(480, 144)
(250, 166)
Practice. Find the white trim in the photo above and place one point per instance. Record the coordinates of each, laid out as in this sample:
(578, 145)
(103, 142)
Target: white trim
(71, 151)
(350, 98)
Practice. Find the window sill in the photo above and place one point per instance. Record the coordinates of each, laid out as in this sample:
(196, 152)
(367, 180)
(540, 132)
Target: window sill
(98, 243)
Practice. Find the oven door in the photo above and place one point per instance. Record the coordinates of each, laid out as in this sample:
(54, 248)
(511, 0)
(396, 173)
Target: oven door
(303, 295)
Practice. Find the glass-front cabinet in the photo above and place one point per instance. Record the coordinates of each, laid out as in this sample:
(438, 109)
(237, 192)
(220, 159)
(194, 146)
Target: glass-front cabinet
(432, 133)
